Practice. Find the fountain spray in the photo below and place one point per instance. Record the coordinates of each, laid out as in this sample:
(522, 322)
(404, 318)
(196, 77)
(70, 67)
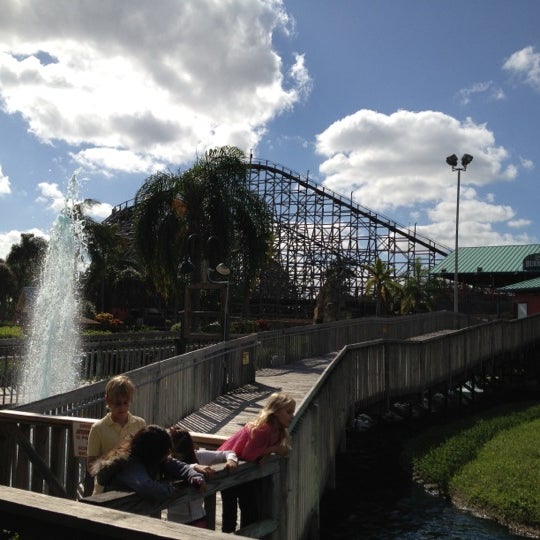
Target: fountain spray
(53, 356)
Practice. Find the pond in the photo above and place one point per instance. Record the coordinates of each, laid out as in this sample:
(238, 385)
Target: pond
(375, 499)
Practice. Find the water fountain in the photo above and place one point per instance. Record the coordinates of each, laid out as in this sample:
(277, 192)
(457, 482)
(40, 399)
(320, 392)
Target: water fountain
(53, 355)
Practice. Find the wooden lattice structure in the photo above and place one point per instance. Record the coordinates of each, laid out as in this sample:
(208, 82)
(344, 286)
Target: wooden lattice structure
(314, 229)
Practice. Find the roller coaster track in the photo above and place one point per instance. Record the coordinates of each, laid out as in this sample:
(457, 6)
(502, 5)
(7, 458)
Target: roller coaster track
(315, 227)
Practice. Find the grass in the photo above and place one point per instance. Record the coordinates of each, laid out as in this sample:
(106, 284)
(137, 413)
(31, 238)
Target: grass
(488, 464)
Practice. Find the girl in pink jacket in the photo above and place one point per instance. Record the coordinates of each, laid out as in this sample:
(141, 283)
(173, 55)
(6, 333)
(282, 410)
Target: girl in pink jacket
(267, 434)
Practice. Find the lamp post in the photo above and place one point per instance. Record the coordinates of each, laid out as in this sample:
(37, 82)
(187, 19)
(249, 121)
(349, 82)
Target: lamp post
(453, 162)
(223, 271)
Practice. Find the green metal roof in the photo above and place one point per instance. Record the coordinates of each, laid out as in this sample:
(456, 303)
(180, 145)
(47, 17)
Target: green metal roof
(529, 284)
(487, 259)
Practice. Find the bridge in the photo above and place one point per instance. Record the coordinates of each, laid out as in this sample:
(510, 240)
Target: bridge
(356, 364)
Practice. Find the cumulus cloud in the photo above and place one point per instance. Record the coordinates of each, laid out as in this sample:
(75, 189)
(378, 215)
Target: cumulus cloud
(396, 163)
(100, 75)
(5, 186)
(525, 64)
(9, 238)
(51, 195)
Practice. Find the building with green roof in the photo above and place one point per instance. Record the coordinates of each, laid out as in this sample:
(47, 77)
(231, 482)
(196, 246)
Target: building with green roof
(492, 267)
(504, 279)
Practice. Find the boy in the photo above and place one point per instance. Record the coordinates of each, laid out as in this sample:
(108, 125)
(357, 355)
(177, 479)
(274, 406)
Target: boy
(116, 425)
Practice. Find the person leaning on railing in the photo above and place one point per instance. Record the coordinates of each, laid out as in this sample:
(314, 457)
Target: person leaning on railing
(200, 459)
(139, 465)
(267, 434)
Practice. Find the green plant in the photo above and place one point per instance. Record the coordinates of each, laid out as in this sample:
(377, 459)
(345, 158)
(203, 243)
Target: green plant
(10, 332)
(109, 322)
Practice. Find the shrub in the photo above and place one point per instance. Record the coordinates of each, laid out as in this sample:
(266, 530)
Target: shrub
(109, 322)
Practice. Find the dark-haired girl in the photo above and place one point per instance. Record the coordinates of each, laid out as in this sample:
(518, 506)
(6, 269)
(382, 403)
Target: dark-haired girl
(141, 463)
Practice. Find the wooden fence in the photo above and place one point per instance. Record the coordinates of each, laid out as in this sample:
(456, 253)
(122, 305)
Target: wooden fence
(102, 356)
(383, 371)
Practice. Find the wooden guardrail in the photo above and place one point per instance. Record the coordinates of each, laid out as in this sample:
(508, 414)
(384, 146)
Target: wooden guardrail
(107, 355)
(381, 371)
(103, 355)
(34, 515)
(46, 455)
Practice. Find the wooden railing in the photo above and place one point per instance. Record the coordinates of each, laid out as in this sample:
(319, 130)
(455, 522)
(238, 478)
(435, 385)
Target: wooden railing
(103, 355)
(381, 371)
(46, 455)
(202, 375)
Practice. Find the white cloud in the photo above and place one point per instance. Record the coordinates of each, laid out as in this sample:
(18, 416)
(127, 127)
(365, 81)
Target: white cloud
(5, 187)
(51, 195)
(99, 211)
(137, 98)
(397, 162)
(9, 238)
(487, 88)
(527, 164)
(525, 64)
(110, 160)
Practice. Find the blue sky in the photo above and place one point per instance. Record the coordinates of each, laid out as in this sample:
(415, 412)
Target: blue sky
(368, 96)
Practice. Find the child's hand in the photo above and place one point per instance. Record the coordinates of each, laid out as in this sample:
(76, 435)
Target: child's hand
(204, 469)
(282, 450)
(198, 481)
(231, 465)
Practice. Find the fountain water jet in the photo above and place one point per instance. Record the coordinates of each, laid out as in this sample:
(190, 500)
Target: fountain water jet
(53, 356)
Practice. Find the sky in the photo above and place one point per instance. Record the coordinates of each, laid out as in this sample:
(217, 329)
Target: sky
(367, 97)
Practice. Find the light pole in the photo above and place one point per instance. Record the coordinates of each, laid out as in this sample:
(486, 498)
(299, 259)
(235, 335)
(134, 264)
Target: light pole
(453, 162)
(223, 271)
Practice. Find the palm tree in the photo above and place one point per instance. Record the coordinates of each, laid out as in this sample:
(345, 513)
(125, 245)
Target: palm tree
(176, 214)
(381, 281)
(417, 290)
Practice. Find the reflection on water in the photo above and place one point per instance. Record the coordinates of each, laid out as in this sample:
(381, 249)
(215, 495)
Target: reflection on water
(376, 500)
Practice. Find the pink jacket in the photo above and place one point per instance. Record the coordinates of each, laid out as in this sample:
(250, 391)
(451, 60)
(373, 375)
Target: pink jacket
(249, 445)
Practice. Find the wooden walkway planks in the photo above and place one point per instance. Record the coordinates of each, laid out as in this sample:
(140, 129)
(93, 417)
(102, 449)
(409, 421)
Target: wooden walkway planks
(225, 415)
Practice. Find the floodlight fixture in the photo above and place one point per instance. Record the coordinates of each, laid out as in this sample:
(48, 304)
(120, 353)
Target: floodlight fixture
(466, 159)
(452, 160)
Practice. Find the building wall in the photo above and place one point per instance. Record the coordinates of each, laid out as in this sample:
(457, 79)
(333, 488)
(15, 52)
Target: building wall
(532, 300)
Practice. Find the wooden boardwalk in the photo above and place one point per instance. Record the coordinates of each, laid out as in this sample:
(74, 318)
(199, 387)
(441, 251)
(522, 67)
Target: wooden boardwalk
(225, 415)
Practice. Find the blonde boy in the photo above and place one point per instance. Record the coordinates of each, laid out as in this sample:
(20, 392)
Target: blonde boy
(116, 425)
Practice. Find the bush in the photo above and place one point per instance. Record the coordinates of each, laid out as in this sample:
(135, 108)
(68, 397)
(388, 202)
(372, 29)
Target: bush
(109, 322)
(11, 332)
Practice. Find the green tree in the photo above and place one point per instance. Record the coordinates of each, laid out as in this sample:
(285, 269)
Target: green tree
(382, 283)
(8, 291)
(24, 259)
(332, 297)
(418, 290)
(176, 214)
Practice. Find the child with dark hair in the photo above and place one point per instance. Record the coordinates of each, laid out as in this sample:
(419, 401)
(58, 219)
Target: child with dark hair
(139, 464)
(184, 449)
